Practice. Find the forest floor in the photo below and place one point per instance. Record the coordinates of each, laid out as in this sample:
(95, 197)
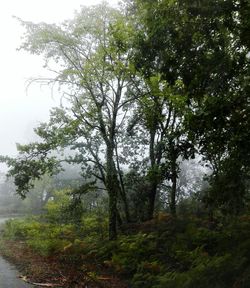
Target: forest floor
(58, 270)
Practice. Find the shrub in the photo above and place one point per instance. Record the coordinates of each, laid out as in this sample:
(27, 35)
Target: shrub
(133, 251)
(47, 247)
(43, 238)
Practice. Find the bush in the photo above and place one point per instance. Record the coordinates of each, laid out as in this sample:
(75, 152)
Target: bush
(47, 247)
(213, 272)
(94, 227)
(44, 238)
(184, 253)
(133, 251)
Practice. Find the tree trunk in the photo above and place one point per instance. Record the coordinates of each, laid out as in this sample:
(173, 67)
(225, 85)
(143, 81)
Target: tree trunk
(112, 216)
(125, 204)
(119, 218)
(173, 189)
(122, 187)
(112, 188)
(153, 181)
(173, 198)
(151, 200)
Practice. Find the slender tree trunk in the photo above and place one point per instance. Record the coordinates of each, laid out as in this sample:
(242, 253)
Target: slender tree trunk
(125, 204)
(153, 180)
(174, 187)
(119, 218)
(112, 187)
(122, 187)
(151, 200)
(173, 198)
(112, 216)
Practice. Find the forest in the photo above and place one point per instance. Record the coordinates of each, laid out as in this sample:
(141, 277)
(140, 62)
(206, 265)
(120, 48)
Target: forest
(141, 176)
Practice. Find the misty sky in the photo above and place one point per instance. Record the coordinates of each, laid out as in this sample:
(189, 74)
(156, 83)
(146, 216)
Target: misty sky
(21, 110)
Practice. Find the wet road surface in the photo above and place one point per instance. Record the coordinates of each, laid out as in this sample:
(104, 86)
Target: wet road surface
(8, 274)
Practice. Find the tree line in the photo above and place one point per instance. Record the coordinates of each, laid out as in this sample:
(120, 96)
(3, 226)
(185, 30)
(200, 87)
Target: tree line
(144, 87)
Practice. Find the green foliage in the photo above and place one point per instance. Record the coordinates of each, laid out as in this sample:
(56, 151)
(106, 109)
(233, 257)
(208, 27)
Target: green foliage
(217, 272)
(94, 227)
(55, 207)
(44, 238)
(190, 255)
(25, 172)
(168, 80)
(200, 50)
(47, 247)
(132, 252)
(58, 228)
(190, 252)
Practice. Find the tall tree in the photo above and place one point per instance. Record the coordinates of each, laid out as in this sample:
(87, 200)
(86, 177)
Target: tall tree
(202, 44)
(90, 56)
(160, 113)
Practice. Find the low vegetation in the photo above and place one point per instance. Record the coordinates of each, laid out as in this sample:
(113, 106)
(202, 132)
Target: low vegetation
(164, 252)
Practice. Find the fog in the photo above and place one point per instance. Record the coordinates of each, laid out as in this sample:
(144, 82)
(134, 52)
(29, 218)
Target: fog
(21, 109)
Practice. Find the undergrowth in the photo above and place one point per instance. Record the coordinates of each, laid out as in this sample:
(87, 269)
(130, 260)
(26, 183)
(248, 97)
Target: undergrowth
(183, 253)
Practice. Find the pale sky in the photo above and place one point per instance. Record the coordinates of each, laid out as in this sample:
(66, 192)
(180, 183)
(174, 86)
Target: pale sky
(21, 110)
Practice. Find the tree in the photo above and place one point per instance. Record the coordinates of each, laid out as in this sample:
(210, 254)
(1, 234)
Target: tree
(203, 45)
(160, 113)
(90, 55)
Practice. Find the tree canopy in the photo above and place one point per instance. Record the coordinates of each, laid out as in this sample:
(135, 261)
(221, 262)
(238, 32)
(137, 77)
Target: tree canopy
(144, 88)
